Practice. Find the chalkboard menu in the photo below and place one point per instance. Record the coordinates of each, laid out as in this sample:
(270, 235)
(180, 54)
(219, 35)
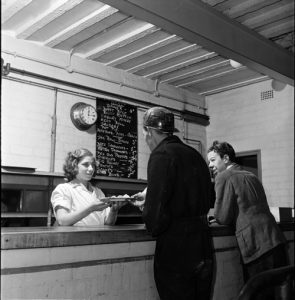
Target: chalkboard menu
(116, 139)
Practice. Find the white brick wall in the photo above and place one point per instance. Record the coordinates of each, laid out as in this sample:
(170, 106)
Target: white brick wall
(27, 112)
(39, 102)
(242, 119)
(68, 137)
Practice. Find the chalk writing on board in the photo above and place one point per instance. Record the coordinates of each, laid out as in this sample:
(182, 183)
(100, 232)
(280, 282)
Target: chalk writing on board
(116, 139)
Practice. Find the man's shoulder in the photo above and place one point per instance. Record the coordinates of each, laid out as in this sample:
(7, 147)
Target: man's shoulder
(223, 176)
(235, 172)
(176, 144)
(168, 145)
(232, 171)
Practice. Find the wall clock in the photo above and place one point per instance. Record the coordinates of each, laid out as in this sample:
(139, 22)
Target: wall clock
(83, 115)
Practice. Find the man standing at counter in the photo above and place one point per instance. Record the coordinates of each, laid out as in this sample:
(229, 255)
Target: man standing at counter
(177, 200)
(241, 202)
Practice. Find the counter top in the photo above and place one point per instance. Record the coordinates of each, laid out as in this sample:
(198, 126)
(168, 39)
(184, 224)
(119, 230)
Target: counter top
(61, 236)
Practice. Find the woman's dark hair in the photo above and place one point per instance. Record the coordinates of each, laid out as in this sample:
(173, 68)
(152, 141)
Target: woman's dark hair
(223, 148)
(70, 166)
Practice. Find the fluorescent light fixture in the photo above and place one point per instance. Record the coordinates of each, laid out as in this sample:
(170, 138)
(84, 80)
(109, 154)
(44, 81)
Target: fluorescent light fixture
(234, 63)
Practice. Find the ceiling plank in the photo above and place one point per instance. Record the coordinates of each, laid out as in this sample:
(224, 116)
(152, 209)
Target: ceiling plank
(213, 2)
(228, 82)
(94, 17)
(285, 40)
(54, 11)
(84, 37)
(268, 14)
(134, 47)
(156, 58)
(238, 84)
(179, 62)
(10, 8)
(234, 8)
(208, 75)
(143, 50)
(194, 69)
(199, 23)
(277, 28)
(112, 41)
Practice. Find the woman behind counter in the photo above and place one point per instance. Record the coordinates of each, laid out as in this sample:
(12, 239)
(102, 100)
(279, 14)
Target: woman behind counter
(77, 202)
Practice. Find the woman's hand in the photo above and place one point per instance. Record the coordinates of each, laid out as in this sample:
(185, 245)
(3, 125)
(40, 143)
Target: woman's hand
(66, 218)
(97, 205)
(115, 206)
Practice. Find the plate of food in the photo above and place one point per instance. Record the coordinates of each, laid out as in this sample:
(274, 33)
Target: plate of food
(116, 199)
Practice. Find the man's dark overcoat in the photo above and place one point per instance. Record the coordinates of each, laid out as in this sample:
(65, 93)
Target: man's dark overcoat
(175, 212)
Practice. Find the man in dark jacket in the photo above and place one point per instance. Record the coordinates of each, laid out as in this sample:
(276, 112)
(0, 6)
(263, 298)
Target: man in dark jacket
(177, 200)
(241, 202)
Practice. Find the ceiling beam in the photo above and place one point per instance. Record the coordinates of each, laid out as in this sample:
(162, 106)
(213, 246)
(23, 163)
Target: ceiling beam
(197, 22)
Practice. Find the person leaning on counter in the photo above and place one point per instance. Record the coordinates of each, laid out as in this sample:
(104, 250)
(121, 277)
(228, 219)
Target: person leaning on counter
(241, 202)
(175, 206)
(77, 202)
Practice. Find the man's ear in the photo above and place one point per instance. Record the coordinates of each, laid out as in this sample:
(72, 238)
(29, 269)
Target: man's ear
(149, 133)
(226, 159)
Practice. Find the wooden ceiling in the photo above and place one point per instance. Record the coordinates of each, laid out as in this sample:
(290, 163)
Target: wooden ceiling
(189, 44)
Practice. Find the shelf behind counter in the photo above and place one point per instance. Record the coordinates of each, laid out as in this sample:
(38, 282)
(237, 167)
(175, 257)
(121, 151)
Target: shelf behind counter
(26, 195)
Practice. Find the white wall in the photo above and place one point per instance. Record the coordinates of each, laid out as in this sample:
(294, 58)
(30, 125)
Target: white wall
(241, 118)
(27, 109)
(26, 112)
(238, 116)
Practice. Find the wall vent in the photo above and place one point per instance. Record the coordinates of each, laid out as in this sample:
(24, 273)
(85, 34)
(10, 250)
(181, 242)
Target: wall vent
(266, 95)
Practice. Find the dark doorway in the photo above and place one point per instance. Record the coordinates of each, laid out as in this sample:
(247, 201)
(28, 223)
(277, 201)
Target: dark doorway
(250, 161)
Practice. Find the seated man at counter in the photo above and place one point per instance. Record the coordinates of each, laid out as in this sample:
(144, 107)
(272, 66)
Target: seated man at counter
(176, 203)
(241, 202)
(77, 202)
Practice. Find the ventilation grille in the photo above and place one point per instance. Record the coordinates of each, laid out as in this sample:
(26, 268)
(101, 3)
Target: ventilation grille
(266, 95)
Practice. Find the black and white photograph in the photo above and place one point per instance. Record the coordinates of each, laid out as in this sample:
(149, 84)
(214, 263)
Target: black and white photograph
(147, 149)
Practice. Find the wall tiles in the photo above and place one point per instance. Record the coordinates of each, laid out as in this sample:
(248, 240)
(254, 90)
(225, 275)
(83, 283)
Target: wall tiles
(242, 119)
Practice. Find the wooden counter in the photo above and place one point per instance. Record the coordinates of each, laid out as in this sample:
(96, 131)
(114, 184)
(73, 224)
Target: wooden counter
(64, 236)
(103, 262)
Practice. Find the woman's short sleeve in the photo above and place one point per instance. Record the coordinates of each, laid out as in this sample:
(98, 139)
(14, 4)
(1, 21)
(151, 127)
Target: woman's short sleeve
(99, 194)
(61, 196)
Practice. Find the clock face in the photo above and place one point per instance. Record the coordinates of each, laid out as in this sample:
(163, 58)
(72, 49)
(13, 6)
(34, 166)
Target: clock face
(88, 115)
(83, 115)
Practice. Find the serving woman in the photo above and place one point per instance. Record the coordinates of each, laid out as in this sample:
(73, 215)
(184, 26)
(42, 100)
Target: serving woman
(77, 202)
